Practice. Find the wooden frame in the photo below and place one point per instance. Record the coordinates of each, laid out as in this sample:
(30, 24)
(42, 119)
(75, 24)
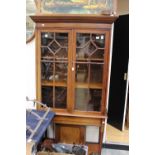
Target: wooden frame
(31, 38)
(73, 18)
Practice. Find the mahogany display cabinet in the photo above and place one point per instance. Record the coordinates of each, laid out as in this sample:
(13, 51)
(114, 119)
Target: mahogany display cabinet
(72, 71)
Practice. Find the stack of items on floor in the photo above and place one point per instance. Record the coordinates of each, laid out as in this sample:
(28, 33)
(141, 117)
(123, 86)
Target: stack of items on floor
(49, 148)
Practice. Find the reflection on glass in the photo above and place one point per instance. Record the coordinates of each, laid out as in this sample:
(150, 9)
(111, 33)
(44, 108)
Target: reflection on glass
(47, 96)
(62, 54)
(98, 40)
(60, 97)
(96, 74)
(47, 71)
(99, 54)
(82, 39)
(55, 97)
(54, 54)
(78, 6)
(90, 46)
(46, 38)
(30, 26)
(55, 43)
(62, 39)
(54, 47)
(88, 99)
(81, 73)
(61, 72)
(46, 53)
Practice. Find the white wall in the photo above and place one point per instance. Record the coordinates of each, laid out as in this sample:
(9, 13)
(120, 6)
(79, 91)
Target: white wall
(30, 72)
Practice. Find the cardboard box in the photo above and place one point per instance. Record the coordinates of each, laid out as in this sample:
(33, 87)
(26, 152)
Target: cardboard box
(30, 148)
(52, 153)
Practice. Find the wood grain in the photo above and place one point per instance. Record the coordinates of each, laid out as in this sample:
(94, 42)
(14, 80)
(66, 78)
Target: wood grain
(72, 18)
(70, 134)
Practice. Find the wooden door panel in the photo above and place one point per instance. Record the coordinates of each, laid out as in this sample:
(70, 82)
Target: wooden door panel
(70, 134)
(90, 74)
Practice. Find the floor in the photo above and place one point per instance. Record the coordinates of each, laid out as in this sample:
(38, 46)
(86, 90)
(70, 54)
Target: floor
(116, 136)
(114, 152)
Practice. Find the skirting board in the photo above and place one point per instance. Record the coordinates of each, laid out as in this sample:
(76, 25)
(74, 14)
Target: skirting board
(115, 146)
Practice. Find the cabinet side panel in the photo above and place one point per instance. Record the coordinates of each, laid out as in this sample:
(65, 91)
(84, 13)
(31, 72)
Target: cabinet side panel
(106, 72)
(38, 67)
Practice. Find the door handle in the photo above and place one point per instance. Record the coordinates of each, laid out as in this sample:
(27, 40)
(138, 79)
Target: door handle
(73, 67)
(125, 76)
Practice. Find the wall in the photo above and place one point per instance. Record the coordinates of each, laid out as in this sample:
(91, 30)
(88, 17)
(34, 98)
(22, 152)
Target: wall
(123, 7)
(30, 72)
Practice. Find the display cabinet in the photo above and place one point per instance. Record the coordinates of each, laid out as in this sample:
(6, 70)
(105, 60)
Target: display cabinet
(72, 71)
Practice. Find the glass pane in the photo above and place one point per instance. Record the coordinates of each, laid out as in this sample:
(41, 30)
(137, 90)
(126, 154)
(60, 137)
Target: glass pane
(56, 44)
(55, 97)
(78, 6)
(82, 73)
(46, 38)
(82, 39)
(60, 97)
(86, 51)
(47, 96)
(96, 74)
(54, 68)
(47, 71)
(62, 53)
(90, 46)
(88, 99)
(62, 39)
(98, 54)
(99, 40)
(61, 72)
(54, 47)
(89, 71)
(46, 53)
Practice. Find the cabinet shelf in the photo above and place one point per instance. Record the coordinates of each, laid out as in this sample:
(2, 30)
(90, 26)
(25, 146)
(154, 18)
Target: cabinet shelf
(90, 60)
(51, 83)
(77, 84)
(88, 85)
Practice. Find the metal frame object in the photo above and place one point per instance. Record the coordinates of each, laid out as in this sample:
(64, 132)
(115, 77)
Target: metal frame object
(41, 119)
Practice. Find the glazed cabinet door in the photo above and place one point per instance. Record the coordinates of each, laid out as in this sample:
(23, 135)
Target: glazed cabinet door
(90, 69)
(54, 56)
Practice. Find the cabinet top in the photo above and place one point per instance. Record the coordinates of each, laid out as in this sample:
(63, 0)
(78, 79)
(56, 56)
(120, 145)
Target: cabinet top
(70, 18)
